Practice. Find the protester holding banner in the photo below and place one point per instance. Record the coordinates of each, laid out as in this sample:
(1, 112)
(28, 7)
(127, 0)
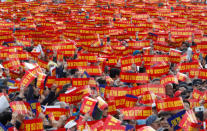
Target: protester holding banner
(101, 65)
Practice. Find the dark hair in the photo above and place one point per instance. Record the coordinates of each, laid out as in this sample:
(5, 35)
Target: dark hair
(186, 101)
(199, 115)
(142, 70)
(5, 117)
(185, 43)
(5, 44)
(72, 71)
(165, 113)
(113, 72)
(156, 80)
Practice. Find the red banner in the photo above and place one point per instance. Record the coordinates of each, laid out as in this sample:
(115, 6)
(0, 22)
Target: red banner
(202, 46)
(189, 121)
(19, 107)
(42, 64)
(194, 103)
(169, 79)
(128, 61)
(40, 79)
(186, 67)
(152, 59)
(32, 125)
(130, 101)
(50, 80)
(193, 73)
(114, 128)
(158, 71)
(27, 79)
(71, 98)
(110, 120)
(77, 82)
(62, 81)
(170, 104)
(88, 57)
(101, 103)
(73, 64)
(12, 64)
(139, 44)
(111, 61)
(147, 98)
(134, 77)
(93, 49)
(175, 59)
(136, 113)
(174, 52)
(115, 91)
(161, 47)
(92, 70)
(157, 89)
(202, 74)
(198, 95)
(61, 46)
(67, 52)
(88, 105)
(112, 108)
(57, 112)
(119, 101)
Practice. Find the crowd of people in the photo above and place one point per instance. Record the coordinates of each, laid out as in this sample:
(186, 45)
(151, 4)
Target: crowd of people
(103, 65)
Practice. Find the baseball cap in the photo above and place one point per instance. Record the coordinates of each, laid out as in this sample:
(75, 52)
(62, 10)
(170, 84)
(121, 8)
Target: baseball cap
(136, 52)
(151, 119)
(197, 82)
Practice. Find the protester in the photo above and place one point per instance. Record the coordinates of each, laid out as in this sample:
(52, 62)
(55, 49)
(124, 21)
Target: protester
(103, 65)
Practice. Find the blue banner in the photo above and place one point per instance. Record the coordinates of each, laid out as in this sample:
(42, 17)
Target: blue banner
(175, 120)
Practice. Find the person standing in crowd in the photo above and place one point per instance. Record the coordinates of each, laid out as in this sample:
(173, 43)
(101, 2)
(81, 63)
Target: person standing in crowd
(100, 65)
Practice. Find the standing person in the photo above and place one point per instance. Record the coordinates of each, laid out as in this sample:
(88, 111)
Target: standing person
(185, 48)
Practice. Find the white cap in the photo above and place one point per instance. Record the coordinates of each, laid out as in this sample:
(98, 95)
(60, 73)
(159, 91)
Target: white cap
(153, 104)
(1, 66)
(4, 104)
(70, 124)
(29, 65)
(205, 65)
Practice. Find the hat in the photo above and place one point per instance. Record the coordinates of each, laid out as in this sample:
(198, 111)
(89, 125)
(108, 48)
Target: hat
(189, 88)
(1, 66)
(182, 83)
(197, 82)
(151, 119)
(4, 104)
(12, 95)
(136, 52)
(51, 63)
(153, 105)
(129, 127)
(70, 124)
